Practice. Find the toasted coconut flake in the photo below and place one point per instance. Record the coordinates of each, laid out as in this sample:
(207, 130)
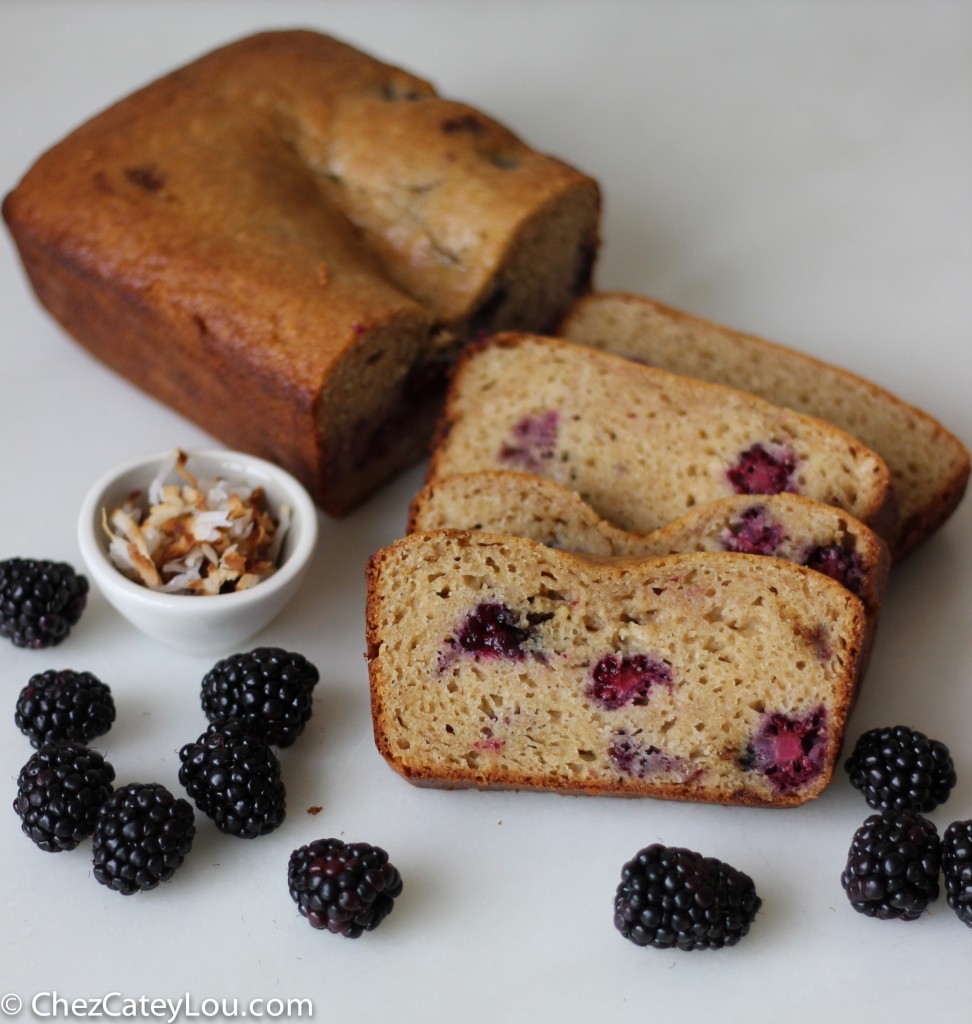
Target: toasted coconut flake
(144, 566)
(176, 459)
(195, 537)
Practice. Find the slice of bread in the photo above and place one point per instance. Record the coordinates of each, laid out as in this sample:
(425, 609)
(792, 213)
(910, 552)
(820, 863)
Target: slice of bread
(641, 445)
(779, 525)
(499, 662)
(929, 465)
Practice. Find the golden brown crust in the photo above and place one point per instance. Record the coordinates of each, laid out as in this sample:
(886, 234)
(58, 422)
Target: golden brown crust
(278, 237)
(929, 465)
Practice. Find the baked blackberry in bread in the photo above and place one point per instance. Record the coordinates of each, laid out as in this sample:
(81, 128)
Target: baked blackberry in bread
(929, 466)
(495, 661)
(778, 525)
(641, 445)
(286, 238)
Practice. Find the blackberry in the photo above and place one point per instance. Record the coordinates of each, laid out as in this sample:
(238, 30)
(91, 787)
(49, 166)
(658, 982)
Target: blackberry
(670, 897)
(234, 778)
(789, 751)
(618, 680)
(754, 532)
(898, 768)
(63, 706)
(269, 689)
(839, 563)
(764, 469)
(39, 601)
(347, 888)
(141, 837)
(491, 630)
(957, 868)
(59, 793)
(532, 442)
(893, 866)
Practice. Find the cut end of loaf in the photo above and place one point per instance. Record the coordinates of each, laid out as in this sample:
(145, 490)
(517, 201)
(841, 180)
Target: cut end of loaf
(641, 445)
(498, 663)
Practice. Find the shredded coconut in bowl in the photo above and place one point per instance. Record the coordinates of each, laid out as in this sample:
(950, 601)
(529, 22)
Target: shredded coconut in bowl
(195, 536)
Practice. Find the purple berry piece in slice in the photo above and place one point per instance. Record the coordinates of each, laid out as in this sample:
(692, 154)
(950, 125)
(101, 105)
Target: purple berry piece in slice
(790, 752)
(839, 564)
(764, 469)
(754, 532)
(490, 630)
(617, 681)
(642, 761)
(532, 441)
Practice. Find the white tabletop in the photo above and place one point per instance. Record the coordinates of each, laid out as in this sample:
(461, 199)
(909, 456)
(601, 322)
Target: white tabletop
(797, 170)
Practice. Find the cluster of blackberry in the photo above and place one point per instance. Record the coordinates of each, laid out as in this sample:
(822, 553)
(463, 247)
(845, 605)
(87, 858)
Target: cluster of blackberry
(141, 833)
(63, 786)
(255, 702)
(897, 858)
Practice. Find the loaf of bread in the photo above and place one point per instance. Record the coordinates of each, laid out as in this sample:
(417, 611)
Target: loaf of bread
(778, 525)
(642, 446)
(929, 465)
(499, 662)
(285, 240)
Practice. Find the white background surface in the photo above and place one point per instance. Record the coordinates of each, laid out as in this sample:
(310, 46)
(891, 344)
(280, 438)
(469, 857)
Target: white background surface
(797, 170)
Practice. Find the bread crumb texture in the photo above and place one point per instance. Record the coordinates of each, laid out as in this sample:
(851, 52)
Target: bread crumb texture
(640, 445)
(496, 661)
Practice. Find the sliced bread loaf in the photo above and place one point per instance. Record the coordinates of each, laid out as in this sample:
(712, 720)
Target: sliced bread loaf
(641, 445)
(929, 465)
(780, 525)
(499, 662)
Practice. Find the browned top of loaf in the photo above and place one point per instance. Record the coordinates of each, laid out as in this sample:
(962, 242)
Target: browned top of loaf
(641, 445)
(928, 464)
(290, 173)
